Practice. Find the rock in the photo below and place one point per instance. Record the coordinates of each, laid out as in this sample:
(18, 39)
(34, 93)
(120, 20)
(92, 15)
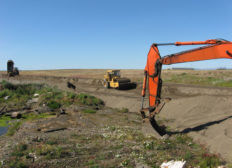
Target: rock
(6, 97)
(71, 85)
(36, 95)
(33, 100)
(165, 137)
(76, 108)
(16, 115)
(173, 164)
(42, 109)
(37, 139)
(2, 162)
(141, 165)
(33, 156)
(62, 111)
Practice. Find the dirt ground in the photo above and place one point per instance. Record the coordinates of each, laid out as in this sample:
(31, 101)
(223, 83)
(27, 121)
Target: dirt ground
(202, 112)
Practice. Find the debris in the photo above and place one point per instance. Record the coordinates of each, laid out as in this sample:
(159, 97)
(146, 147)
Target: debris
(173, 164)
(37, 139)
(36, 95)
(71, 86)
(33, 156)
(33, 100)
(16, 115)
(6, 97)
(62, 111)
(11, 70)
(2, 109)
(42, 109)
(118, 156)
(55, 129)
(141, 165)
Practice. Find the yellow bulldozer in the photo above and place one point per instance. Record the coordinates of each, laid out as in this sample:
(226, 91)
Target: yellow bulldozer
(113, 79)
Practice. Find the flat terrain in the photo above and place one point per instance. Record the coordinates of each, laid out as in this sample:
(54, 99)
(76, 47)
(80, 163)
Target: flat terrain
(200, 107)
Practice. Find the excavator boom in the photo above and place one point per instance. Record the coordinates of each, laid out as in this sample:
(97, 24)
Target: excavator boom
(212, 49)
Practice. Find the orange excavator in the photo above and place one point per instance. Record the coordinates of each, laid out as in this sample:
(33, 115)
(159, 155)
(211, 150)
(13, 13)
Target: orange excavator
(212, 49)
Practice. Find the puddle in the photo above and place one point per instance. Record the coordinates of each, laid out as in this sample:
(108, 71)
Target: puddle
(3, 130)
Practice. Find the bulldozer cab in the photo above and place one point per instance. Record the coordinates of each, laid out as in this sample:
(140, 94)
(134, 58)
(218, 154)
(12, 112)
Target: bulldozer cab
(113, 74)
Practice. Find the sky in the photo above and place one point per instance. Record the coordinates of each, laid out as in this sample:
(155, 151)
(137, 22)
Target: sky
(107, 34)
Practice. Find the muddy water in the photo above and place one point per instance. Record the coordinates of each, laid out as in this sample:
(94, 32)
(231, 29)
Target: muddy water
(3, 130)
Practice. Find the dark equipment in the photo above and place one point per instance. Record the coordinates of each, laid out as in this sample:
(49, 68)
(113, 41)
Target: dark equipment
(11, 70)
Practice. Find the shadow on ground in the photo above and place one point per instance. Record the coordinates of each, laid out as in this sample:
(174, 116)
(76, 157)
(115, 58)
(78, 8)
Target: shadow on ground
(162, 129)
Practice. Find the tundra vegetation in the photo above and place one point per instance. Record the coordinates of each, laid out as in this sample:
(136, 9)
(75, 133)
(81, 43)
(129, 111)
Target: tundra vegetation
(207, 78)
(97, 136)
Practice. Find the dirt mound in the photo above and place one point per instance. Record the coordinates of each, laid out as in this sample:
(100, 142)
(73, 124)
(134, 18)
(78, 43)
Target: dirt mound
(207, 119)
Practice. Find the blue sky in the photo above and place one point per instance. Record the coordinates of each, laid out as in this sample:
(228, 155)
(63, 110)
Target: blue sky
(65, 34)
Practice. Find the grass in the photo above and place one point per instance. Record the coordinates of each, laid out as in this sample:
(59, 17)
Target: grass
(19, 94)
(209, 160)
(90, 111)
(4, 120)
(18, 164)
(20, 150)
(91, 149)
(209, 80)
(89, 100)
(132, 145)
(124, 110)
(13, 128)
(14, 125)
(32, 116)
(53, 105)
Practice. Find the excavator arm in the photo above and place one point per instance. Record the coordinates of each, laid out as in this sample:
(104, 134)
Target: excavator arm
(212, 49)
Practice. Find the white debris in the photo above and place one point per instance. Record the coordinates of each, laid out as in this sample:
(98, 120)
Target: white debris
(33, 156)
(33, 100)
(6, 98)
(36, 94)
(118, 156)
(173, 164)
